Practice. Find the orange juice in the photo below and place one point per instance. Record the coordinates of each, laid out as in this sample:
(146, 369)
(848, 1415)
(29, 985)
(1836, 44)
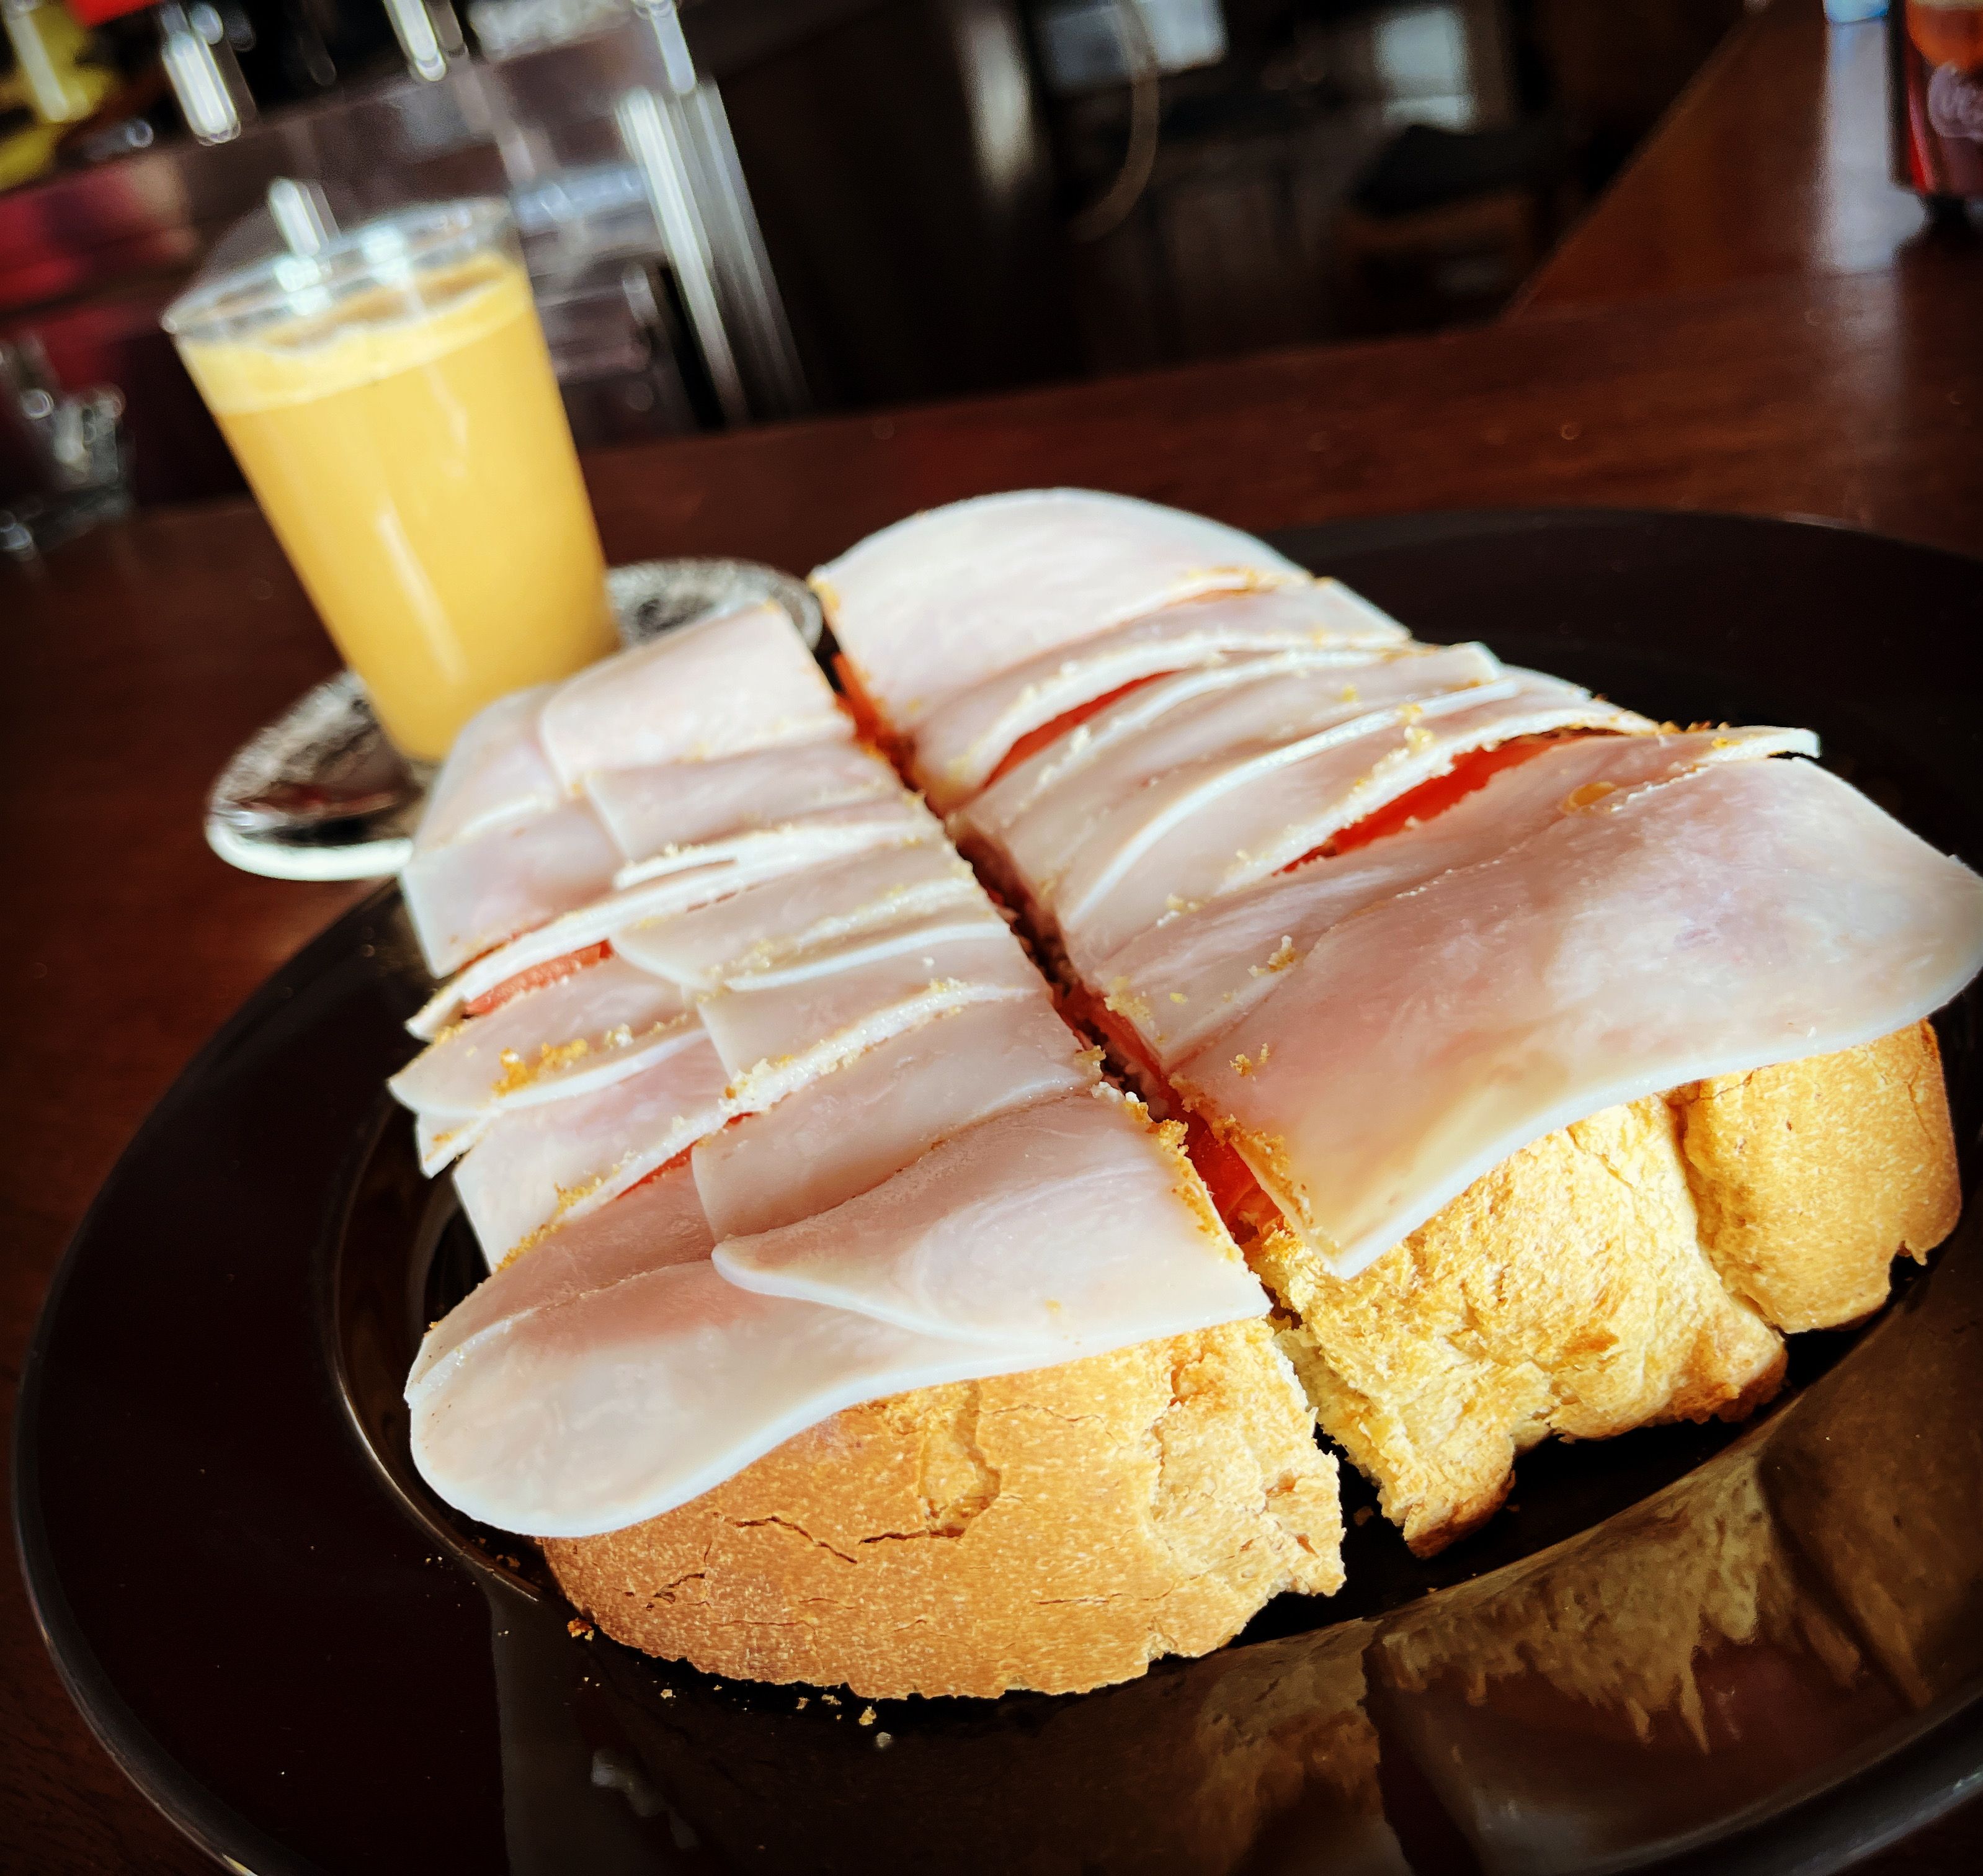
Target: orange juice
(407, 442)
(1947, 32)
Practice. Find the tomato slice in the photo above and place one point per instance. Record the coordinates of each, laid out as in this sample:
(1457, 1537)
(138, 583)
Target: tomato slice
(1236, 1195)
(1035, 740)
(1429, 798)
(537, 976)
(661, 1171)
(870, 724)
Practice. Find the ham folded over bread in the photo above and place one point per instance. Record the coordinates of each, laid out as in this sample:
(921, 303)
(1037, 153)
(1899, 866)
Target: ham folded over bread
(1458, 1018)
(1368, 1030)
(800, 999)
(1046, 568)
(1740, 916)
(513, 835)
(613, 1374)
(1385, 919)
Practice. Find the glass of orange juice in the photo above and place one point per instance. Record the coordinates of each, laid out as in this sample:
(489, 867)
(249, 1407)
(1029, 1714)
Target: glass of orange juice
(391, 402)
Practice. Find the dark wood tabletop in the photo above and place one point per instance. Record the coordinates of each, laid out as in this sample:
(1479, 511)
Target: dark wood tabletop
(1752, 319)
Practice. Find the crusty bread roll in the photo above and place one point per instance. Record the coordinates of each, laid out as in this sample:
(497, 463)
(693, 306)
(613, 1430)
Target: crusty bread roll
(1062, 1529)
(1566, 1291)
(1626, 1270)
(1056, 1531)
(1811, 1177)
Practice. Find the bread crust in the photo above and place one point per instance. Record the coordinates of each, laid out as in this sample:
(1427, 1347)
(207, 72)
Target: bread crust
(1812, 1176)
(1634, 1268)
(1566, 1291)
(1055, 1530)
(1060, 1530)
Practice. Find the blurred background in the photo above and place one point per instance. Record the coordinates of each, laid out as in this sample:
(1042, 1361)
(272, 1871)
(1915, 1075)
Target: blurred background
(736, 211)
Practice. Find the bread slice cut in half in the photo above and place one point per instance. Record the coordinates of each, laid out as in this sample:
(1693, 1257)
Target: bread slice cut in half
(1056, 1531)
(1629, 1269)
(1538, 1054)
(844, 1325)
(922, 1252)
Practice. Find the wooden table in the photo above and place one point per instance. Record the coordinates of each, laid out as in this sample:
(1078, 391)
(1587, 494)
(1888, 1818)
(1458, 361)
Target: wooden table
(1754, 320)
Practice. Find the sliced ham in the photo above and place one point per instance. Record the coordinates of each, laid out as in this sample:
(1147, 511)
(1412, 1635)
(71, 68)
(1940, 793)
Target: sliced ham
(496, 774)
(1191, 976)
(777, 1037)
(1212, 828)
(536, 1166)
(748, 861)
(884, 821)
(597, 1025)
(1261, 712)
(799, 911)
(441, 1140)
(1746, 913)
(611, 1375)
(471, 893)
(647, 810)
(846, 1132)
(1119, 730)
(659, 1224)
(742, 682)
(970, 921)
(1067, 1227)
(961, 742)
(938, 603)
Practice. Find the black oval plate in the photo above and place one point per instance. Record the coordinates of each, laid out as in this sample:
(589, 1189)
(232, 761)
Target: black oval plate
(1747, 1649)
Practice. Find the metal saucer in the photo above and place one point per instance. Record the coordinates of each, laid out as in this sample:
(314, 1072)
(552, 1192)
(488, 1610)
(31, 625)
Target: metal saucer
(320, 794)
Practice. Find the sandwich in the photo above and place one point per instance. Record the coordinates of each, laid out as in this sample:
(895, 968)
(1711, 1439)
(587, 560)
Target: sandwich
(844, 1323)
(1548, 1063)
(926, 1287)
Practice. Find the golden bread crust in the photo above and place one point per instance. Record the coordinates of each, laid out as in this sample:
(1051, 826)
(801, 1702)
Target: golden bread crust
(1056, 1531)
(1061, 1530)
(1811, 1177)
(1634, 1268)
(1565, 1292)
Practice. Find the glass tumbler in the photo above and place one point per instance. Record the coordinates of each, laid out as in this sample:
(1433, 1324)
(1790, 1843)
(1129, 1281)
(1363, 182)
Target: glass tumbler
(390, 400)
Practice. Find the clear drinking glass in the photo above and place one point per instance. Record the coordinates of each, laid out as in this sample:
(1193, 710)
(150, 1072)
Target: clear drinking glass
(391, 402)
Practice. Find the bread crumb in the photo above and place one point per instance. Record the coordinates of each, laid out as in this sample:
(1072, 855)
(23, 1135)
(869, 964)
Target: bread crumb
(1282, 955)
(667, 1693)
(805, 1701)
(1361, 1516)
(1243, 1065)
(867, 1716)
(579, 1629)
(1125, 1001)
(829, 1699)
